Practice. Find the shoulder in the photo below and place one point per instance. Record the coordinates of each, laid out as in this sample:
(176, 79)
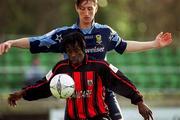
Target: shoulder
(104, 27)
(98, 25)
(57, 34)
(60, 64)
(59, 30)
(102, 63)
(65, 28)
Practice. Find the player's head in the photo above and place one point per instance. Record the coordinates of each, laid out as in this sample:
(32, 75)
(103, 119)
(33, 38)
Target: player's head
(86, 10)
(74, 45)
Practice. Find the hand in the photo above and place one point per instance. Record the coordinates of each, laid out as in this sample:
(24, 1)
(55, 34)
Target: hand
(145, 111)
(163, 40)
(4, 47)
(15, 97)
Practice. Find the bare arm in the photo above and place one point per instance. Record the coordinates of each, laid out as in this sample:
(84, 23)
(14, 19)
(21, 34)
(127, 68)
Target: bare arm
(19, 43)
(145, 111)
(160, 41)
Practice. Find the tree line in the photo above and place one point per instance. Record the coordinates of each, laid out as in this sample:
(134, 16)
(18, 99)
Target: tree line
(131, 18)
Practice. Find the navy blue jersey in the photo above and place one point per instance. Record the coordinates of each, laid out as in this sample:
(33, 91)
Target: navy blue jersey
(99, 39)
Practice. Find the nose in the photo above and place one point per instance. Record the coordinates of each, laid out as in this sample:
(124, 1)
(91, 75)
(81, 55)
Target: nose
(73, 54)
(86, 12)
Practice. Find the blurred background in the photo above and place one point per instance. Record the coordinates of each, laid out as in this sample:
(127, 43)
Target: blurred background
(156, 73)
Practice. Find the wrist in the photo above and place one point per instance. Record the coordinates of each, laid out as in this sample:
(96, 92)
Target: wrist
(139, 103)
(155, 44)
(23, 92)
(10, 42)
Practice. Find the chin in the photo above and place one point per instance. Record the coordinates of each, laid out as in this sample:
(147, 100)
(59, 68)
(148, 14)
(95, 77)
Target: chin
(87, 21)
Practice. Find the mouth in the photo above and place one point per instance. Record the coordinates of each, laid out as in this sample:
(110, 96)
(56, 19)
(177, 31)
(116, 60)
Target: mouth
(74, 60)
(87, 18)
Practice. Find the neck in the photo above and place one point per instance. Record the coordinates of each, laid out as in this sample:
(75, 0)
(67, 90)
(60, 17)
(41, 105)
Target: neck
(85, 25)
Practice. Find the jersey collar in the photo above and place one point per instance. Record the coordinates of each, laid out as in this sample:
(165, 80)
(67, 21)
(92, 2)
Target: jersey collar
(85, 31)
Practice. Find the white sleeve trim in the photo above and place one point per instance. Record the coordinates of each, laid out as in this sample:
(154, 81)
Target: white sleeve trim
(113, 68)
(48, 75)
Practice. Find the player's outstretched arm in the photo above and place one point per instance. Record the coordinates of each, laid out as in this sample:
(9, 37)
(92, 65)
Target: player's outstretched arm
(145, 111)
(14, 97)
(19, 43)
(161, 40)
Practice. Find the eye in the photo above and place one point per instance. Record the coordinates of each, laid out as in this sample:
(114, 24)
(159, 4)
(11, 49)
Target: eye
(68, 50)
(90, 8)
(81, 8)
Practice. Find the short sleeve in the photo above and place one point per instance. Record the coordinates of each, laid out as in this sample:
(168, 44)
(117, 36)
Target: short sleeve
(42, 43)
(116, 42)
(50, 42)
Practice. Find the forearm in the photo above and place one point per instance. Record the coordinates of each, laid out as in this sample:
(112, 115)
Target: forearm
(135, 46)
(38, 91)
(124, 87)
(20, 43)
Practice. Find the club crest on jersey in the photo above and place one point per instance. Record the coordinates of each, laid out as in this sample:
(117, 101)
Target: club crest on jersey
(98, 39)
(90, 82)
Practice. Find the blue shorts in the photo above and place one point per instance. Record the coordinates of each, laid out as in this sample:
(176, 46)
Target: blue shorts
(113, 106)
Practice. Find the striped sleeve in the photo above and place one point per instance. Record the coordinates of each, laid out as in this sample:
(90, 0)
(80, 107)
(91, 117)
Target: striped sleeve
(119, 83)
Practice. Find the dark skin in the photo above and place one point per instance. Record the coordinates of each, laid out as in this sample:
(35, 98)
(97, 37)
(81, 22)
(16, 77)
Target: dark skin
(76, 56)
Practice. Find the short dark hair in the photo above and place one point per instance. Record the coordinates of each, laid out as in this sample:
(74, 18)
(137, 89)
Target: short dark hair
(78, 2)
(73, 37)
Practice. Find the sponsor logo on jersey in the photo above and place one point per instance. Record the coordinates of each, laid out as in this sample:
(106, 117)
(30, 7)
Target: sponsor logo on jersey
(95, 50)
(89, 37)
(82, 94)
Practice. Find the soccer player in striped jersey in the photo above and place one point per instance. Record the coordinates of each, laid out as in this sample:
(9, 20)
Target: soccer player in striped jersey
(88, 100)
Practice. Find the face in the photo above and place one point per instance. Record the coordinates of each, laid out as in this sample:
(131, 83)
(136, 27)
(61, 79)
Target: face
(75, 54)
(86, 11)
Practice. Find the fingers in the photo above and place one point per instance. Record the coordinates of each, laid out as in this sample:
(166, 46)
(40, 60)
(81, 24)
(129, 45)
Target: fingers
(13, 98)
(1, 49)
(7, 47)
(4, 47)
(159, 35)
(12, 101)
(167, 36)
(151, 116)
(148, 115)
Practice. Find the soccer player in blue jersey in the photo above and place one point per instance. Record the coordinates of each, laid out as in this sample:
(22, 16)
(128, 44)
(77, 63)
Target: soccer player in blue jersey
(99, 40)
(87, 102)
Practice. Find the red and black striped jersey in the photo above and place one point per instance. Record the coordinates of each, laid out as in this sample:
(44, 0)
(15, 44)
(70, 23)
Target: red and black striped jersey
(91, 78)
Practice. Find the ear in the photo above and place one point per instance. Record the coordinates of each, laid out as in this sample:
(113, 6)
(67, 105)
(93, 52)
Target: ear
(96, 8)
(76, 7)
